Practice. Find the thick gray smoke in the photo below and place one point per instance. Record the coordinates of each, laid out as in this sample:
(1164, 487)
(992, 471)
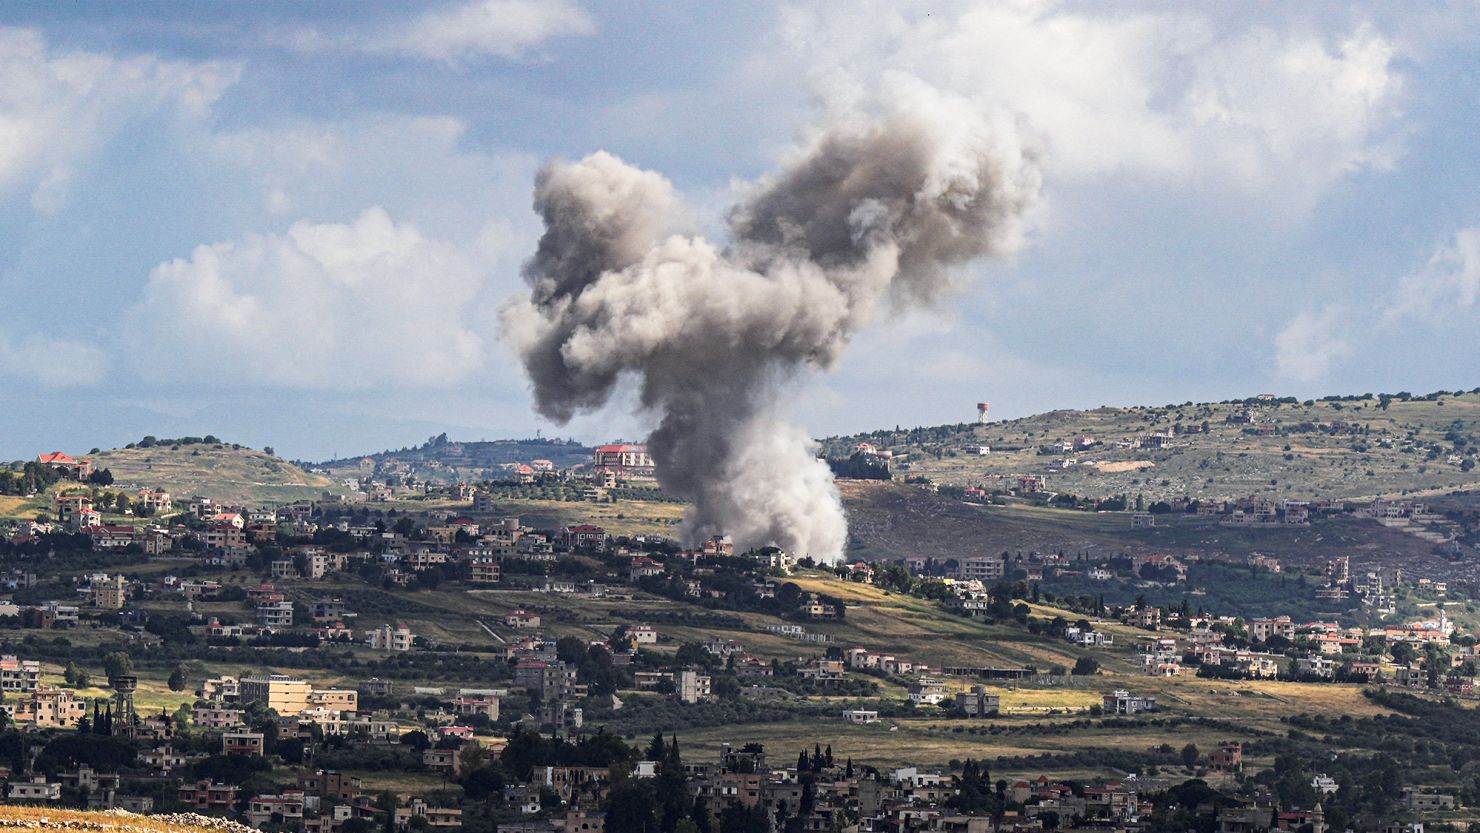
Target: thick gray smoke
(875, 205)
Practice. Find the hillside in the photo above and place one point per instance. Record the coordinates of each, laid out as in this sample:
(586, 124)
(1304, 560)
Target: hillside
(1350, 448)
(1037, 716)
(440, 459)
(890, 520)
(222, 472)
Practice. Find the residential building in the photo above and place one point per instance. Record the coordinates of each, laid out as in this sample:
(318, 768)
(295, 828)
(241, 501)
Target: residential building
(18, 675)
(983, 568)
(486, 570)
(284, 695)
(208, 796)
(111, 593)
(242, 742)
(34, 789)
(277, 614)
(978, 702)
(1123, 702)
(626, 460)
(691, 686)
(391, 638)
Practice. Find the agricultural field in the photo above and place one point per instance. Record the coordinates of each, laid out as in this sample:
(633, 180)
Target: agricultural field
(625, 517)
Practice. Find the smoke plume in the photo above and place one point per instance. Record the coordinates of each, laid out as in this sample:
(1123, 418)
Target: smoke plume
(877, 205)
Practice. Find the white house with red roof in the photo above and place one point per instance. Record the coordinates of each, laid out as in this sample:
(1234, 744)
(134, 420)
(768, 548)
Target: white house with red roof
(642, 566)
(233, 519)
(66, 463)
(522, 619)
(626, 459)
(467, 525)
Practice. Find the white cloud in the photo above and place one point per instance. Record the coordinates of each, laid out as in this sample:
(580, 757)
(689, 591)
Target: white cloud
(417, 167)
(52, 362)
(1309, 344)
(1170, 95)
(486, 28)
(1449, 281)
(331, 306)
(58, 106)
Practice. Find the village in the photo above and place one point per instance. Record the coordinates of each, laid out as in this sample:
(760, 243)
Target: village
(240, 583)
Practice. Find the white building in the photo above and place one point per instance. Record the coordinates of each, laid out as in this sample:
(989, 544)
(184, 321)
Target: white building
(391, 638)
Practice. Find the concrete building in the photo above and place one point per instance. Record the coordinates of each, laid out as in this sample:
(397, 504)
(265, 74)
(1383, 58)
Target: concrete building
(18, 675)
(1123, 702)
(691, 687)
(36, 789)
(277, 614)
(242, 743)
(110, 593)
(486, 570)
(983, 568)
(283, 694)
(391, 638)
(978, 702)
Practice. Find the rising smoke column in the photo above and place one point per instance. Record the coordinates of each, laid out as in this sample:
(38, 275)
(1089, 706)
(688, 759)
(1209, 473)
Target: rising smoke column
(877, 205)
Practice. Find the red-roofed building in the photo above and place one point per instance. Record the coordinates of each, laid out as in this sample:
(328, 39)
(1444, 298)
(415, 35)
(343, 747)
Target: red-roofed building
(75, 510)
(521, 619)
(66, 463)
(624, 460)
(111, 537)
(644, 566)
(467, 525)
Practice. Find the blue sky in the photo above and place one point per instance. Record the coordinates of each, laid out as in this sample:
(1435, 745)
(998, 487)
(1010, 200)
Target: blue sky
(293, 224)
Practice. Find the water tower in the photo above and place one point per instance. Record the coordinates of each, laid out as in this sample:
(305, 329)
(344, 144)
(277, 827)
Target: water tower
(981, 411)
(123, 711)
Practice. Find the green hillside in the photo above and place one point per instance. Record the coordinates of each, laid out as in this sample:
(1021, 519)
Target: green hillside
(1335, 448)
(443, 460)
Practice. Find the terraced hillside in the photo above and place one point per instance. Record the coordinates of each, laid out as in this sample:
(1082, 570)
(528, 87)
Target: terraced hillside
(1336, 448)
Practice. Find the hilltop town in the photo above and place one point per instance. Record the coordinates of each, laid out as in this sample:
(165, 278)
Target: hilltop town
(531, 651)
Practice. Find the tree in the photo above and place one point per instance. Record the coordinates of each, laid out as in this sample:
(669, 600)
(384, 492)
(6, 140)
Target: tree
(118, 664)
(632, 808)
(73, 675)
(1403, 653)
(179, 678)
(1086, 666)
(1190, 755)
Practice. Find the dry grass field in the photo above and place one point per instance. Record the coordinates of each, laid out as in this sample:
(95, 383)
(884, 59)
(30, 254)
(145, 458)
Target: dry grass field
(112, 821)
(222, 473)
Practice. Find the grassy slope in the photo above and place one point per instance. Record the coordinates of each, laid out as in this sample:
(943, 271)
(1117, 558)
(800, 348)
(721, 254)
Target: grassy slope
(221, 473)
(628, 517)
(1222, 464)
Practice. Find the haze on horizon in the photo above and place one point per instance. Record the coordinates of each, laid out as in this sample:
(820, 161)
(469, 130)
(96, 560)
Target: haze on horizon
(294, 225)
